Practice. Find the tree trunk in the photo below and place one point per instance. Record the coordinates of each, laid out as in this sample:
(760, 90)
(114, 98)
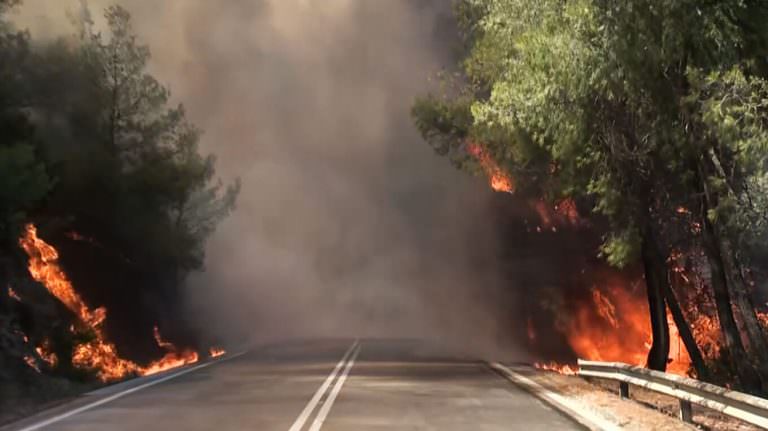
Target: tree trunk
(748, 376)
(655, 280)
(743, 301)
(711, 239)
(702, 373)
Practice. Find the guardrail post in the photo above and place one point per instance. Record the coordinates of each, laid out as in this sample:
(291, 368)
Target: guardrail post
(624, 390)
(686, 413)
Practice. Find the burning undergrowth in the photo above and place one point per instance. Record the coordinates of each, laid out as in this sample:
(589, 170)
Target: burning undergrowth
(574, 304)
(93, 351)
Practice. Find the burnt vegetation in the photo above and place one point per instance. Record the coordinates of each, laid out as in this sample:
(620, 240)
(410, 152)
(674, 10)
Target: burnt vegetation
(94, 154)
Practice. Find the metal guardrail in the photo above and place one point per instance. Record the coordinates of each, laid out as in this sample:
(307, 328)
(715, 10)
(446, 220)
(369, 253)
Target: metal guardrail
(747, 408)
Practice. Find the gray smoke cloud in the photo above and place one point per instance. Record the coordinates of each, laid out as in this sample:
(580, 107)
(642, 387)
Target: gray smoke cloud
(347, 223)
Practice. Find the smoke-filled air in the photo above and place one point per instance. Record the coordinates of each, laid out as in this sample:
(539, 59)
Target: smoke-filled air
(345, 223)
(185, 180)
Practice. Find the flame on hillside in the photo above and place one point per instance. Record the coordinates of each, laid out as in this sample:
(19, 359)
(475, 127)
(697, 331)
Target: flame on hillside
(98, 354)
(612, 325)
(499, 180)
(215, 352)
(45, 353)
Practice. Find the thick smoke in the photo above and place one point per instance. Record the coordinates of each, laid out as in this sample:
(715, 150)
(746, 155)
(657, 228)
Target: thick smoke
(347, 223)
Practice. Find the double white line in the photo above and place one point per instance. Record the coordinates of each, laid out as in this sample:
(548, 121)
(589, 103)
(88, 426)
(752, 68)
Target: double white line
(346, 362)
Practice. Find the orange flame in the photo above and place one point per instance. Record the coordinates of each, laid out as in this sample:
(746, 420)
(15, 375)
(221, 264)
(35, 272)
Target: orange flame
(215, 352)
(45, 353)
(172, 359)
(614, 326)
(562, 213)
(565, 369)
(499, 180)
(97, 354)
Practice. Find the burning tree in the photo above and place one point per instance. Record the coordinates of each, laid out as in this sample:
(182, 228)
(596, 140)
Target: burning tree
(636, 109)
(90, 143)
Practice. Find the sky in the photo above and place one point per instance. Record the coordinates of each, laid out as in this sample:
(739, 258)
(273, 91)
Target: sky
(347, 223)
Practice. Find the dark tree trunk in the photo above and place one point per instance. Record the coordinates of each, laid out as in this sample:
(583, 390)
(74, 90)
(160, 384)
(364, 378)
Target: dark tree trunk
(711, 239)
(702, 373)
(746, 308)
(747, 374)
(655, 282)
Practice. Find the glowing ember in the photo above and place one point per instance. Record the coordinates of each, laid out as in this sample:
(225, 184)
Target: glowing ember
(499, 180)
(215, 352)
(562, 213)
(45, 353)
(32, 363)
(568, 370)
(98, 354)
(12, 293)
(568, 213)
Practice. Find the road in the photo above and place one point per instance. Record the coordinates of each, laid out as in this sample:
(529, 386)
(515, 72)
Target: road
(339, 385)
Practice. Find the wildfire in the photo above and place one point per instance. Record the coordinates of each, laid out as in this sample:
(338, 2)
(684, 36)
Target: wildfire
(45, 353)
(615, 327)
(499, 180)
(562, 213)
(172, 359)
(215, 352)
(612, 325)
(565, 369)
(98, 354)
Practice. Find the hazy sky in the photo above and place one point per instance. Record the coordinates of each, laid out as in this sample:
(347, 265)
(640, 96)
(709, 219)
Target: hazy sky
(347, 223)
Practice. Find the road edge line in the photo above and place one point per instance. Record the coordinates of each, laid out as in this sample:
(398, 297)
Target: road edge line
(565, 405)
(89, 406)
(326, 408)
(298, 424)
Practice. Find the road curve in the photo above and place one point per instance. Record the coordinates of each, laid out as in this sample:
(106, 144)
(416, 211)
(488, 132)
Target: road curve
(339, 385)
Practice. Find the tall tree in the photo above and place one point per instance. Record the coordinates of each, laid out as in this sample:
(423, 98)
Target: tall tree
(608, 93)
(24, 181)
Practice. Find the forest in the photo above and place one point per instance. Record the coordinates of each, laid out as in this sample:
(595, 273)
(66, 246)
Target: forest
(649, 119)
(102, 174)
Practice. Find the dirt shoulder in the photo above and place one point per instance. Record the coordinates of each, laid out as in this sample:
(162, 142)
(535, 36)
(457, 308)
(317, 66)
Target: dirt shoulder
(645, 410)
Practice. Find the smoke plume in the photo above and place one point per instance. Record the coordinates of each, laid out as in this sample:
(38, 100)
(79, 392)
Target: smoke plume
(347, 223)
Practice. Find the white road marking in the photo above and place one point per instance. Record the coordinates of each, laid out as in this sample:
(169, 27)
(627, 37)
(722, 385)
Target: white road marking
(310, 407)
(323, 413)
(569, 406)
(103, 401)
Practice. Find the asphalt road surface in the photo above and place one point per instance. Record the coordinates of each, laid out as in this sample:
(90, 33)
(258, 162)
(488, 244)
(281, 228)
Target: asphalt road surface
(339, 385)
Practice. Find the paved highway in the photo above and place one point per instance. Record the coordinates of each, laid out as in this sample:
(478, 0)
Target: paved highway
(339, 385)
